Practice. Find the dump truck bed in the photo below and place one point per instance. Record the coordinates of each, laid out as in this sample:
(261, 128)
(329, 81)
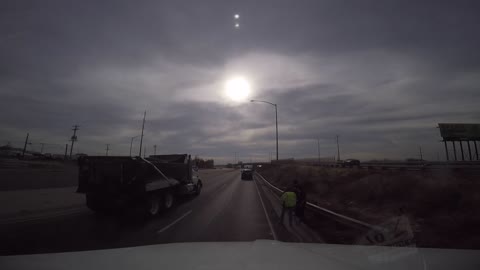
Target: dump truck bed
(117, 182)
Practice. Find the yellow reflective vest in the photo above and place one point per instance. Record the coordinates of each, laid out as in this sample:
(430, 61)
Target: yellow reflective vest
(289, 199)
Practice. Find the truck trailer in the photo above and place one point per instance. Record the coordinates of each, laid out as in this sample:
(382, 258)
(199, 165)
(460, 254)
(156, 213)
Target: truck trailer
(150, 184)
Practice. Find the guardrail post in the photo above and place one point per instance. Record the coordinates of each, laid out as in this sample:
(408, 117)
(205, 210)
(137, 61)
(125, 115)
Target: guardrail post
(469, 151)
(446, 149)
(476, 149)
(461, 150)
(454, 150)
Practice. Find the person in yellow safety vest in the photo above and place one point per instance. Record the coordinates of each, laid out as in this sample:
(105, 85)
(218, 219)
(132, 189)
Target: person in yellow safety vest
(289, 201)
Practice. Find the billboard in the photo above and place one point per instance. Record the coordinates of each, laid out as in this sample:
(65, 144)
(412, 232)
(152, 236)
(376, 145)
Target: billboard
(457, 132)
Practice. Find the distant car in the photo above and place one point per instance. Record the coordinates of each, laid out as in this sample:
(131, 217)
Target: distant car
(247, 174)
(351, 162)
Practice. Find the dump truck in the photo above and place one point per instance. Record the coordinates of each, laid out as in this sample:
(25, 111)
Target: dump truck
(150, 185)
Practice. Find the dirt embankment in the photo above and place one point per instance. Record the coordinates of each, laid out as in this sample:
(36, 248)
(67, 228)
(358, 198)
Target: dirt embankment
(443, 205)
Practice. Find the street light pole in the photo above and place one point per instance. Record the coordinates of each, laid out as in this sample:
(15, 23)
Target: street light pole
(276, 126)
(141, 138)
(276, 119)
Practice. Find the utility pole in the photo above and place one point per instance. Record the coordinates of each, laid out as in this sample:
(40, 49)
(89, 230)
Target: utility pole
(421, 155)
(25, 146)
(318, 148)
(154, 149)
(338, 150)
(74, 138)
(41, 149)
(108, 148)
(141, 137)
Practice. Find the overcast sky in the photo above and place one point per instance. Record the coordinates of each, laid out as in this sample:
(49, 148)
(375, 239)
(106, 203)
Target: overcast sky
(380, 74)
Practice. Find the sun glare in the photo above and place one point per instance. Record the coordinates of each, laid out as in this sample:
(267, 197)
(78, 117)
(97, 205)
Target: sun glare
(237, 89)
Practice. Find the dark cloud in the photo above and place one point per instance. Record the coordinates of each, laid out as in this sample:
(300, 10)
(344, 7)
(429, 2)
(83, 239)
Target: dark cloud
(381, 74)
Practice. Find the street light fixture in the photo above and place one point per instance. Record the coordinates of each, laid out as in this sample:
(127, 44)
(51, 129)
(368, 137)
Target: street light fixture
(276, 117)
(131, 142)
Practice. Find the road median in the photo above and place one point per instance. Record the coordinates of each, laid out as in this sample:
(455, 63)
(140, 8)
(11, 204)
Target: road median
(26, 205)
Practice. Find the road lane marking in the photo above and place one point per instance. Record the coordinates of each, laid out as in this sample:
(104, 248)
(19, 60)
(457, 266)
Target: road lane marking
(174, 222)
(265, 210)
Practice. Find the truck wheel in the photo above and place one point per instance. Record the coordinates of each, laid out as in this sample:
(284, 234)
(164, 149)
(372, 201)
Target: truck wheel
(198, 189)
(153, 205)
(168, 200)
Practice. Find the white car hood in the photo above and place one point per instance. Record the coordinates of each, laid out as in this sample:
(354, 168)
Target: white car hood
(260, 254)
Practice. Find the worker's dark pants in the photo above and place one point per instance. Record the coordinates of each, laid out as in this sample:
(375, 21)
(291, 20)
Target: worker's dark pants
(289, 211)
(300, 212)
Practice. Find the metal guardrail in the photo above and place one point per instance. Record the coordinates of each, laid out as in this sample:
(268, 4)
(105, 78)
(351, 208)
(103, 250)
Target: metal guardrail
(327, 211)
(475, 165)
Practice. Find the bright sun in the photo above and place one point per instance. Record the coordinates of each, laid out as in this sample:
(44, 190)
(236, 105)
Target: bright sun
(237, 89)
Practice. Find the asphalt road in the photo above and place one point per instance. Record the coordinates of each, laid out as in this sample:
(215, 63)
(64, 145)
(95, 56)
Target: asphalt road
(228, 209)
